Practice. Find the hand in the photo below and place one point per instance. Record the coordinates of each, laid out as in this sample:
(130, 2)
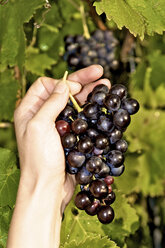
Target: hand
(39, 145)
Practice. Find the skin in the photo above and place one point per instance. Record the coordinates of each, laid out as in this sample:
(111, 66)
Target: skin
(44, 188)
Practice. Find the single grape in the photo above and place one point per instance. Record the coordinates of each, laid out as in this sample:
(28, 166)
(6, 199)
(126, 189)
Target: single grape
(105, 214)
(62, 127)
(121, 118)
(92, 54)
(92, 133)
(92, 209)
(116, 172)
(79, 126)
(69, 39)
(101, 87)
(73, 60)
(110, 57)
(89, 97)
(101, 141)
(69, 140)
(115, 158)
(131, 105)
(99, 35)
(79, 39)
(83, 176)
(91, 111)
(82, 200)
(105, 171)
(110, 198)
(68, 111)
(120, 90)
(108, 35)
(102, 62)
(121, 145)
(98, 97)
(85, 145)
(98, 188)
(112, 102)
(102, 52)
(75, 159)
(115, 135)
(109, 180)
(71, 47)
(114, 65)
(84, 49)
(94, 164)
(105, 124)
(86, 61)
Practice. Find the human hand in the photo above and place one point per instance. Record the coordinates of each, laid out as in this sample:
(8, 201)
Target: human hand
(41, 154)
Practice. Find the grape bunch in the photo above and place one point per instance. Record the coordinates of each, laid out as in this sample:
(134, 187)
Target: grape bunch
(99, 49)
(94, 148)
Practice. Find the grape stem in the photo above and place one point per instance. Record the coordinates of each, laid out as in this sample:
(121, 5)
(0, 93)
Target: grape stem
(73, 100)
(85, 27)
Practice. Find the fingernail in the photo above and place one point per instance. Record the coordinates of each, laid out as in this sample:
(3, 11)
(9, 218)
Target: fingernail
(60, 88)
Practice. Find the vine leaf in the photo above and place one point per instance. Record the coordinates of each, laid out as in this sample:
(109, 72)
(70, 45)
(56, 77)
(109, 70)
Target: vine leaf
(12, 38)
(139, 17)
(91, 240)
(126, 220)
(8, 91)
(9, 177)
(37, 62)
(5, 217)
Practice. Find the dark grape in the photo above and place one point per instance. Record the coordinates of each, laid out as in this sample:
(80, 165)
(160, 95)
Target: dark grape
(115, 135)
(121, 145)
(131, 105)
(83, 176)
(69, 140)
(101, 87)
(82, 200)
(79, 126)
(101, 141)
(105, 124)
(92, 133)
(85, 145)
(91, 111)
(110, 198)
(121, 118)
(120, 90)
(92, 209)
(105, 171)
(98, 188)
(105, 214)
(73, 60)
(75, 159)
(116, 172)
(116, 158)
(112, 102)
(94, 164)
(68, 111)
(98, 35)
(62, 127)
(98, 97)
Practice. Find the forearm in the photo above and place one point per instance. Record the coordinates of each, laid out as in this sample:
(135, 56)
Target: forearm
(37, 215)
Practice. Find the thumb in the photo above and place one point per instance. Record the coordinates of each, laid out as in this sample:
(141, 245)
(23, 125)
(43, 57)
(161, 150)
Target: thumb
(55, 103)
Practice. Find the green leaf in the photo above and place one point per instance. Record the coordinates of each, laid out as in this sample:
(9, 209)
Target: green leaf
(92, 241)
(37, 62)
(8, 91)
(149, 143)
(126, 220)
(139, 17)
(5, 217)
(9, 177)
(12, 40)
(77, 225)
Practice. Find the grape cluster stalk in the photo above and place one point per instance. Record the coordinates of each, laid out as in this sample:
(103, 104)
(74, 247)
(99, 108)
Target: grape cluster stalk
(100, 48)
(94, 147)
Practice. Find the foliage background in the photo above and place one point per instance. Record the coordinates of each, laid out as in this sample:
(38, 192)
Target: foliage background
(32, 45)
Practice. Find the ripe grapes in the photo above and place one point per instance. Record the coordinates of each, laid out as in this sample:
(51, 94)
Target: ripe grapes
(93, 144)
